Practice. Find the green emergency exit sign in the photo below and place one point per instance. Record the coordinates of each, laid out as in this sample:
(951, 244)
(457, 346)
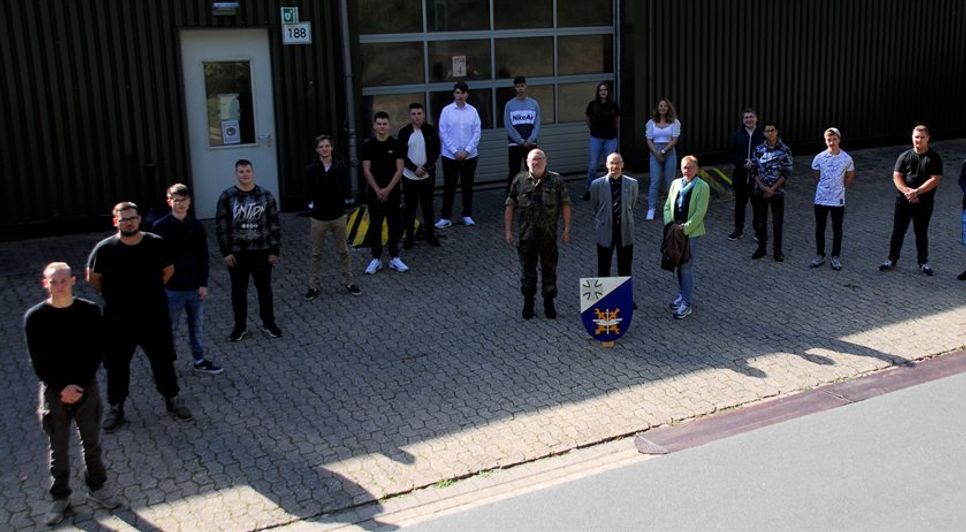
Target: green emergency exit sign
(290, 15)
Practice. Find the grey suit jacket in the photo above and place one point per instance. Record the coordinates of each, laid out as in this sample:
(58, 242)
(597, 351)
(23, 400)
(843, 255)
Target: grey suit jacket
(603, 212)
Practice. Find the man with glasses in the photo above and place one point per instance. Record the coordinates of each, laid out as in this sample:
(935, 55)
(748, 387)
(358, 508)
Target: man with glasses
(773, 166)
(130, 270)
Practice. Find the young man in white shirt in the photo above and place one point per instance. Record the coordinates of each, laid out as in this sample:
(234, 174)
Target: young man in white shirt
(459, 132)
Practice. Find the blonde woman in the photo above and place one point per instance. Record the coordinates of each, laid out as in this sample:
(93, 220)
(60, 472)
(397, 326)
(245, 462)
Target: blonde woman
(686, 205)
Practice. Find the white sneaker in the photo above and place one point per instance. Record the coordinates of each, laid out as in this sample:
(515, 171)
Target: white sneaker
(650, 215)
(397, 264)
(104, 498)
(55, 513)
(468, 221)
(443, 223)
(374, 266)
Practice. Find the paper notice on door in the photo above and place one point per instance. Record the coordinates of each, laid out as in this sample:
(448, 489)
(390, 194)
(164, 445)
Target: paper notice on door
(459, 66)
(230, 133)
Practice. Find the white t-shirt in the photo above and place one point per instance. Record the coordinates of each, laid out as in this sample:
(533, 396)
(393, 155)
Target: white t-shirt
(830, 190)
(416, 153)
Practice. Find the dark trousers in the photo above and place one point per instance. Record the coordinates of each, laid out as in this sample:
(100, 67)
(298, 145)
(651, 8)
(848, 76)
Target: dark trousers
(761, 206)
(389, 211)
(458, 173)
(419, 194)
(544, 251)
(252, 264)
(821, 217)
(153, 334)
(515, 156)
(56, 417)
(625, 256)
(920, 214)
(742, 189)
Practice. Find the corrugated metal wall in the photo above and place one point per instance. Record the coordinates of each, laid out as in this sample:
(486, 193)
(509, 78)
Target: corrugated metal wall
(91, 102)
(873, 68)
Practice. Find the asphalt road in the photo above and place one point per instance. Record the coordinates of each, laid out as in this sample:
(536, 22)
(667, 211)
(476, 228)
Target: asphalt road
(893, 462)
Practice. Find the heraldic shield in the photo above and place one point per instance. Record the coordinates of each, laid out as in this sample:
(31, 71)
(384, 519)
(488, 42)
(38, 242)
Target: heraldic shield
(606, 306)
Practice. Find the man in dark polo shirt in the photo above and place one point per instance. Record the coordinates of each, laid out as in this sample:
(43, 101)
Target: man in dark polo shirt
(916, 176)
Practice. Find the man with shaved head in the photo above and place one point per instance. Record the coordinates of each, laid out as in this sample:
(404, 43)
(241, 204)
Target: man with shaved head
(65, 340)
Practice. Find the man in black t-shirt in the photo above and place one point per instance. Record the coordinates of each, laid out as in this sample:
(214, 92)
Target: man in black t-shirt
(382, 164)
(66, 343)
(916, 176)
(130, 270)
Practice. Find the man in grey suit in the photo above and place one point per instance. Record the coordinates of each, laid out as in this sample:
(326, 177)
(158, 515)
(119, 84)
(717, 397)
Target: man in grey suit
(613, 197)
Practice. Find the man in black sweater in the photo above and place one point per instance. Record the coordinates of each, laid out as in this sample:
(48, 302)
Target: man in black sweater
(188, 288)
(65, 340)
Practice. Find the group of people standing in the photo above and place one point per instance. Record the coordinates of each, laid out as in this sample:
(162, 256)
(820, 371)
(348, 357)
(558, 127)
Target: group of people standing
(147, 279)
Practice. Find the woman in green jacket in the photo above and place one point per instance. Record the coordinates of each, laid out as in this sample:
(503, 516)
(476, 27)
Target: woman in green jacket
(686, 205)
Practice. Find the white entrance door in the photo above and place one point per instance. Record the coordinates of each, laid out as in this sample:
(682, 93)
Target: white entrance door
(229, 101)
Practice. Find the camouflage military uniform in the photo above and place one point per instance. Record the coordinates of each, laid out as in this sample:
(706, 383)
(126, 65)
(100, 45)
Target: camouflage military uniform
(539, 204)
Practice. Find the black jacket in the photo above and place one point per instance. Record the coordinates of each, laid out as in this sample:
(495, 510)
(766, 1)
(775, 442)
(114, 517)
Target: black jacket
(431, 137)
(738, 149)
(328, 191)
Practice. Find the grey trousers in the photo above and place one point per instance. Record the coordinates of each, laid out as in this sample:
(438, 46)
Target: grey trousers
(55, 417)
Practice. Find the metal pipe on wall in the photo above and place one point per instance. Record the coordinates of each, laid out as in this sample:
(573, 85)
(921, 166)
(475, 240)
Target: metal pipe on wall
(350, 98)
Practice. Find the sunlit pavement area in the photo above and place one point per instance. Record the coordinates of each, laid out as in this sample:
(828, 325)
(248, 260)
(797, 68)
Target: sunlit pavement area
(432, 375)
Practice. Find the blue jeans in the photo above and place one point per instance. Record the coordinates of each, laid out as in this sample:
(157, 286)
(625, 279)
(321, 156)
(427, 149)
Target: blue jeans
(661, 174)
(599, 150)
(189, 301)
(685, 273)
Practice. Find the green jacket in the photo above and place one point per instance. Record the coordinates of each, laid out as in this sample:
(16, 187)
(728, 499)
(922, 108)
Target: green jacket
(694, 227)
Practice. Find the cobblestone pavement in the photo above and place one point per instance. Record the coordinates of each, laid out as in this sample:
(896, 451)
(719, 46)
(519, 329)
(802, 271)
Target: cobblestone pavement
(431, 374)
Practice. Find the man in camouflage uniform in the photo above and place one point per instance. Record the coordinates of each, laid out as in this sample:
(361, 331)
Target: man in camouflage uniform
(541, 198)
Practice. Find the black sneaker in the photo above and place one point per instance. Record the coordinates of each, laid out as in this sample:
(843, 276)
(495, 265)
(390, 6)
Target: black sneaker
(926, 269)
(237, 334)
(311, 294)
(272, 331)
(735, 235)
(177, 409)
(209, 367)
(779, 256)
(114, 418)
(527, 308)
(887, 266)
(353, 289)
(962, 276)
(759, 253)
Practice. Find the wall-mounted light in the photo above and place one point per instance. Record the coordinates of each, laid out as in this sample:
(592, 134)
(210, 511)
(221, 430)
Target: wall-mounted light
(224, 9)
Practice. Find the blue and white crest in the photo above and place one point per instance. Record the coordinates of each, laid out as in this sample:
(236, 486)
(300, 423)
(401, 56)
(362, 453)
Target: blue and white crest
(606, 306)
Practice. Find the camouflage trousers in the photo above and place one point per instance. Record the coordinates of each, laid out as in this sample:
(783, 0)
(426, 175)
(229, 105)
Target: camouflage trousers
(532, 251)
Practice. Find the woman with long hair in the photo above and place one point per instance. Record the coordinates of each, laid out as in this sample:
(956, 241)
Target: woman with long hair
(603, 118)
(661, 132)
